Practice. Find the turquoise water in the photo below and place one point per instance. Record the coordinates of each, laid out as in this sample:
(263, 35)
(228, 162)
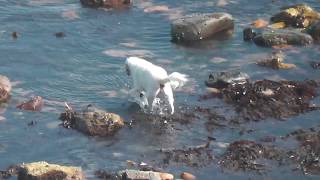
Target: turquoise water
(86, 67)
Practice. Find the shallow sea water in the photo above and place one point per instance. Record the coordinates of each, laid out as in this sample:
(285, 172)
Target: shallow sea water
(86, 67)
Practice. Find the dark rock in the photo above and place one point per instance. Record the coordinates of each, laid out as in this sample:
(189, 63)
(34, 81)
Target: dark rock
(222, 80)
(315, 65)
(45, 171)
(14, 35)
(35, 104)
(200, 26)
(243, 155)
(9, 172)
(5, 89)
(60, 34)
(197, 156)
(314, 31)
(276, 37)
(92, 121)
(270, 99)
(275, 61)
(115, 4)
(297, 16)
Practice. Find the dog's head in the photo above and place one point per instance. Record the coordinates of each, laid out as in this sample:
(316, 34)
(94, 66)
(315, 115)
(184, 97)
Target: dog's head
(142, 100)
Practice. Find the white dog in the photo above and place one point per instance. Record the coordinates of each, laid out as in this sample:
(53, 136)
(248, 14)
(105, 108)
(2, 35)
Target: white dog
(150, 79)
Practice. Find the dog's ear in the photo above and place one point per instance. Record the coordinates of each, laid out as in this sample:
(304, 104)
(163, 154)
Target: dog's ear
(128, 70)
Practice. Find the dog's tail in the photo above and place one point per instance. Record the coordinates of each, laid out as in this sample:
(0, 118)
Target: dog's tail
(176, 80)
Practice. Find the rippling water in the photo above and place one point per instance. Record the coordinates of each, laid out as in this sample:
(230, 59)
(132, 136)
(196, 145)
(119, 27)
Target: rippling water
(86, 66)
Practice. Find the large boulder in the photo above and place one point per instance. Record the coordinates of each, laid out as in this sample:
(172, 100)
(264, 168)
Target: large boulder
(297, 16)
(44, 171)
(5, 88)
(200, 26)
(116, 4)
(92, 121)
(274, 37)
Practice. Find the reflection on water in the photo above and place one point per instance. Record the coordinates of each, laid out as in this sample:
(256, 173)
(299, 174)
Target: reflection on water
(86, 67)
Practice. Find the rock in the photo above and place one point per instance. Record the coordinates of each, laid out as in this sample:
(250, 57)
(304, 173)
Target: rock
(315, 65)
(273, 37)
(60, 34)
(275, 61)
(297, 16)
(200, 26)
(5, 88)
(144, 175)
(44, 171)
(14, 35)
(223, 79)
(187, 176)
(271, 99)
(115, 4)
(35, 104)
(244, 155)
(260, 23)
(156, 9)
(314, 31)
(92, 121)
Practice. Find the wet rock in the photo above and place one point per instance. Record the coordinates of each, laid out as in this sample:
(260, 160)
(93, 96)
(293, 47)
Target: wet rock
(270, 99)
(92, 121)
(307, 155)
(5, 89)
(115, 4)
(44, 171)
(244, 155)
(9, 172)
(187, 176)
(60, 34)
(273, 37)
(315, 65)
(314, 31)
(156, 9)
(297, 16)
(14, 35)
(35, 104)
(200, 26)
(275, 61)
(197, 156)
(223, 79)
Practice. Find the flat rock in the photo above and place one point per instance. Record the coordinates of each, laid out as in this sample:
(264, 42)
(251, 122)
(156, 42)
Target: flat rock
(144, 175)
(275, 37)
(92, 121)
(44, 171)
(200, 26)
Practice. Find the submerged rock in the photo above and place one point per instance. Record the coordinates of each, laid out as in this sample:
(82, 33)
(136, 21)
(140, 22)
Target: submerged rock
(223, 79)
(197, 156)
(115, 4)
(314, 31)
(315, 65)
(200, 26)
(35, 104)
(5, 88)
(270, 99)
(244, 155)
(92, 121)
(274, 37)
(297, 16)
(275, 61)
(44, 171)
